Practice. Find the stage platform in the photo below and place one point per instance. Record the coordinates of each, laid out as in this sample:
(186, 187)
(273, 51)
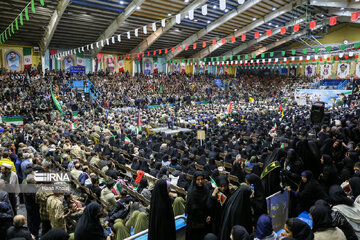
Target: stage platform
(168, 131)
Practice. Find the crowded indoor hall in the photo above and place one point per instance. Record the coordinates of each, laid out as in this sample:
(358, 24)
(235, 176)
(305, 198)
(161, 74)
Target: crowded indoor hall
(179, 120)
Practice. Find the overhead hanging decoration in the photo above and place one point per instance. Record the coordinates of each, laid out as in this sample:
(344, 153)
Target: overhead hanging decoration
(9, 31)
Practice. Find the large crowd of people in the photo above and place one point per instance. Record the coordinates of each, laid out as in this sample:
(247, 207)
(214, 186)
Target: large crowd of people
(126, 178)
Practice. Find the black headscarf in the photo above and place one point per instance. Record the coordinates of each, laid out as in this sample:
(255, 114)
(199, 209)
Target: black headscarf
(321, 218)
(210, 236)
(240, 233)
(258, 201)
(197, 195)
(300, 229)
(88, 226)
(55, 234)
(135, 164)
(338, 196)
(143, 184)
(237, 205)
(355, 186)
(161, 219)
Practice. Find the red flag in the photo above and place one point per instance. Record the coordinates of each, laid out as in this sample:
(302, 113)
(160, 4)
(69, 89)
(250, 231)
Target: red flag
(256, 35)
(155, 52)
(194, 46)
(160, 51)
(243, 37)
(354, 16)
(283, 30)
(179, 48)
(312, 24)
(143, 54)
(268, 32)
(133, 55)
(296, 27)
(233, 39)
(204, 44)
(166, 51)
(186, 47)
(332, 21)
(223, 41)
(148, 53)
(172, 49)
(214, 42)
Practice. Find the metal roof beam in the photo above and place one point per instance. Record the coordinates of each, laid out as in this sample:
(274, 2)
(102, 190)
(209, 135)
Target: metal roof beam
(146, 43)
(335, 4)
(208, 50)
(111, 30)
(53, 23)
(253, 42)
(190, 40)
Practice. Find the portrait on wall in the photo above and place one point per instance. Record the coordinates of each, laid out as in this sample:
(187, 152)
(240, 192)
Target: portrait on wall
(326, 70)
(292, 71)
(13, 60)
(357, 70)
(147, 65)
(310, 71)
(110, 63)
(67, 62)
(343, 70)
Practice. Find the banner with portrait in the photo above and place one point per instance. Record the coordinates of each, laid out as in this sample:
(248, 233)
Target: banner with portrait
(310, 70)
(121, 65)
(13, 59)
(292, 71)
(325, 70)
(176, 67)
(343, 70)
(147, 65)
(110, 63)
(357, 70)
(329, 97)
(182, 66)
(67, 62)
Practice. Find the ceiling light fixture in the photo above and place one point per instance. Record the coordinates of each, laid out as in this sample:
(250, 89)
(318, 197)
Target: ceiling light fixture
(254, 19)
(226, 10)
(214, 7)
(342, 8)
(270, 24)
(169, 14)
(208, 21)
(138, 7)
(273, 8)
(121, 2)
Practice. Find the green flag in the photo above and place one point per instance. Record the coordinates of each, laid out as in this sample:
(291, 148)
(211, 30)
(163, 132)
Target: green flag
(316, 50)
(342, 46)
(56, 102)
(283, 53)
(293, 52)
(238, 57)
(305, 51)
(33, 6)
(21, 19)
(357, 45)
(9, 31)
(224, 58)
(254, 55)
(16, 24)
(328, 48)
(262, 55)
(271, 54)
(26, 13)
(246, 56)
(42, 2)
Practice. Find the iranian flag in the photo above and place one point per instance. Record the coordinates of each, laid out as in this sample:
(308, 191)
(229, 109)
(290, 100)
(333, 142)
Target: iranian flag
(229, 108)
(121, 66)
(16, 120)
(75, 115)
(127, 140)
(73, 126)
(116, 189)
(27, 57)
(139, 122)
(213, 183)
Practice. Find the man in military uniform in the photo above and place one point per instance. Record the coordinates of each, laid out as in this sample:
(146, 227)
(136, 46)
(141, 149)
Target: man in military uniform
(55, 208)
(41, 199)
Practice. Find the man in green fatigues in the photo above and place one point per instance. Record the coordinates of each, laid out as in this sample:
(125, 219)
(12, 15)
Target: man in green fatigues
(54, 206)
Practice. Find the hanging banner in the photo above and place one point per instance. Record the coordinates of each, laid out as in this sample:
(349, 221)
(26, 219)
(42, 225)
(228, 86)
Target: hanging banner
(225, 70)
(357, 70)
(292, 72)
(182, 66)
(12, 59)
(309, 96)
(310, 70)
(176, 67)
(221, 70)
(27, 57)
(156, 67)
(67, 62)
(80, 61)
(121, 66)
(147, 66)
(343, 70)
(110, 63)
(325, 70)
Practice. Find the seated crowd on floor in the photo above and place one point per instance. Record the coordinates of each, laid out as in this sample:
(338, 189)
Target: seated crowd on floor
(126, 178)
